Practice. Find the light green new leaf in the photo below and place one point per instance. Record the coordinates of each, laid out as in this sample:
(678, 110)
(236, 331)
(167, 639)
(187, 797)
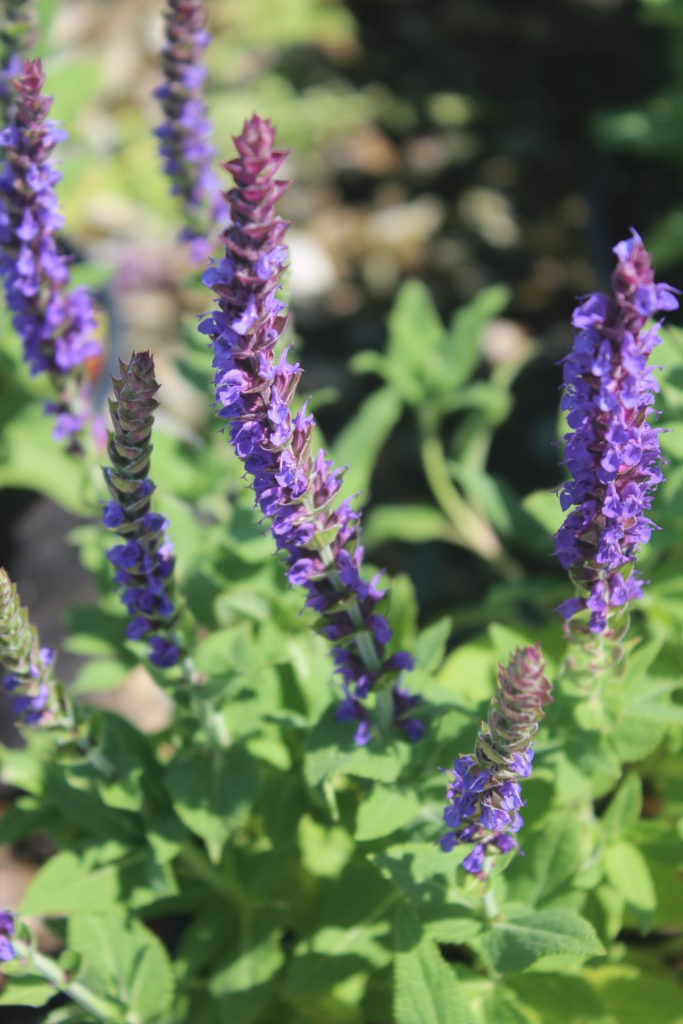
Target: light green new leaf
(361, 440)
(386, 809)
(29, 990)
(463, 348)
(410, 523)
(66, 885)
(124, 960)
(518, 941)
(426, 990)
(625, 807)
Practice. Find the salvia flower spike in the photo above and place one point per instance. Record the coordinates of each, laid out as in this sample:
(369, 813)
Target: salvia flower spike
(484, 794)
(294, 489)
(26, 666)
(144, 561)
(6, 933)
(185, 135)
(54, 322)
(612, 453)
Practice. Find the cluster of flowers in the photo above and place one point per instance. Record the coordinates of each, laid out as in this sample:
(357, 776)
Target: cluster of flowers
(6, 933)
(484, 794)
(144, 563)
(612, 453)
(54, 322)
(185, 136)
(28, 665)
(295, 489)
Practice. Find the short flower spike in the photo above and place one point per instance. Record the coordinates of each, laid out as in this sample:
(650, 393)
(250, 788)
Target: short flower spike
(484, 794)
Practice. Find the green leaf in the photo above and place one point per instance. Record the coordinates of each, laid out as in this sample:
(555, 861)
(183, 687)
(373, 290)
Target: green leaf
(412, 524)
(553, 856)
(425, 988)
(67, 885)
(360, 442)
(386, 809)
(255, 957)
(518, 941)
(29, 458)
(124, 960)
(628, 872)
(629, 997)
(29, 990)
(544, 508)
(325, 852)
(415, 331)
(430, 646)
(211, 792)
(463, 348)
(625, 807)
(330, 749)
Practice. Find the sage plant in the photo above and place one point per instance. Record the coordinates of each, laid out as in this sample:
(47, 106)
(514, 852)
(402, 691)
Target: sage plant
(484, 794)
(144, 562)
(27, 666)
(612, 454)
(54, 322)
(294, 488)
(185, 135)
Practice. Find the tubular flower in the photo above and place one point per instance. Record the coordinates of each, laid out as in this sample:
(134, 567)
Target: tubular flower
(613, 452)
(185, 135)
(484, 794)
(27, 666)
(294, 489)
(17, 36)
(144, 562)
(6, 933)
(54, 323)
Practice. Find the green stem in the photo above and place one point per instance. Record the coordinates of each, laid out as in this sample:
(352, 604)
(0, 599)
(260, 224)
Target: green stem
(99, 1006)
(197, 863)
(470, 530)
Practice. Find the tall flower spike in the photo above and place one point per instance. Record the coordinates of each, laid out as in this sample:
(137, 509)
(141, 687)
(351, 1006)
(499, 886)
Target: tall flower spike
(18, 31)
(185, 135)
(613, 452)
(484, 794)
(54, 322)
(6, 933)
(144, 563)
(293, 488)
(27, 666)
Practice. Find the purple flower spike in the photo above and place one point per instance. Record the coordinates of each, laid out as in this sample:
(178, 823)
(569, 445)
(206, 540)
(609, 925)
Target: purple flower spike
(295, 490)
(484, 794)
(185, 135)
(613, 453)
(144, 560)
(55, 323)
(25, 667)
(6, 933)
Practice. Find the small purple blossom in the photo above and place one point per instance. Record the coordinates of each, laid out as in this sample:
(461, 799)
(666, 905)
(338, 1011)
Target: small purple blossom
(6, 933)
(26, 666)
(144, 561)
(612, 453)
(185, 136)
(484, 794)
(55, 323)
(296, 490)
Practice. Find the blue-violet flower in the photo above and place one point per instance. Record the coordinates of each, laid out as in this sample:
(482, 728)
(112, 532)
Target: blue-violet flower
(144, 562)
(613, 452)
(54, 323)
(294, 489)
(484, 794)
(185, 136)
(6, 933)
(27, 667)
